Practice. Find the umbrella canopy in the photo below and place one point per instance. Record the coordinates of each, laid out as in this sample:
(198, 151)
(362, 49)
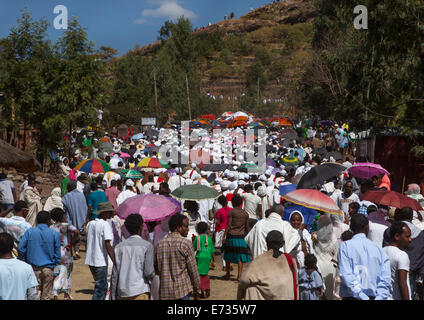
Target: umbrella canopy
(133, 174)
(138, 136)
(16, 158)
(151, 207)
(152, 163)
(297, 178)
(287, 188)
(152, 133)
(313, 199)
(285, 122)
(326, 122)
(105, 139)
(335, 154)
(93, 166)
(366, 170)
(120, 154)
(307, 213)
(195, 192)
(208, 116)
(247, 166)
(271, 163)
(290, 160)
(391, 199)
(319, 174)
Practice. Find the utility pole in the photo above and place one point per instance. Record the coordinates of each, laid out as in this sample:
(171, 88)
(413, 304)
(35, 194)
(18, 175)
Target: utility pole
(156, 94)
(258, 93)
(188, 98)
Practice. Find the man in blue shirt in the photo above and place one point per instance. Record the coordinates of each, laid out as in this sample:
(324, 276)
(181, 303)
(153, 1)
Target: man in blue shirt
(17, 279)
(364, 267)
(40, 247)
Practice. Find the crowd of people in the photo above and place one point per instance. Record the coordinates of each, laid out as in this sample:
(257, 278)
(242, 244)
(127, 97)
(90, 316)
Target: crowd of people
(370, 251)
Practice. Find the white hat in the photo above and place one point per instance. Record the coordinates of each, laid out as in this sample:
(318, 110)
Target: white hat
(241, 183)
(225, 184)
(129, 183)
(233, 186)
(262, 177)
(261, 191)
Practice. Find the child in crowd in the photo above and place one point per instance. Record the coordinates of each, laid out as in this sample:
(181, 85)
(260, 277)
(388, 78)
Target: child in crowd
(204, 249)
(310, 280)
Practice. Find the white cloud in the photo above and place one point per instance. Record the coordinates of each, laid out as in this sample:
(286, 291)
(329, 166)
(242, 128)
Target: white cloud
(169, 9)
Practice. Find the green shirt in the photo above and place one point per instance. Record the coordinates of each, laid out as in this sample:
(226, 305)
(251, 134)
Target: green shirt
(204, 255)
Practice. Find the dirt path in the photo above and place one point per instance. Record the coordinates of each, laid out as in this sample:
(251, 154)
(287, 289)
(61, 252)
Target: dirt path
(83, 284)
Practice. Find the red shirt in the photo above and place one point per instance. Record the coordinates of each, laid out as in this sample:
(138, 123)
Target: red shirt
(222, 218)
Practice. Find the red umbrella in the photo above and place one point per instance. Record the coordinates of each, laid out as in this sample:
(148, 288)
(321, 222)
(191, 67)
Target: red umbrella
(313, 199)
(391, 199)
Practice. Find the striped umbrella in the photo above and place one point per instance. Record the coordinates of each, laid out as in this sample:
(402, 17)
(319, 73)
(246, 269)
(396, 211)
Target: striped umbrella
(93, 166)
(313, 199)
(133, 174)
(290, 160)
(152, 163)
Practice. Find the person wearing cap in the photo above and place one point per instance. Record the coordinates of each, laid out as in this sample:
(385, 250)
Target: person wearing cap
(99, 247)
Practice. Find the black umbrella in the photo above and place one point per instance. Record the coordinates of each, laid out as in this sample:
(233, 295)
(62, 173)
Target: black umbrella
(336, 155)
(320, 151)
(319, 174)
(211, 177)
(152, 133)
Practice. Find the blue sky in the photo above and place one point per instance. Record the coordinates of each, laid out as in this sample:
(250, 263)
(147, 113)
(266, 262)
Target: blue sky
(122, 24)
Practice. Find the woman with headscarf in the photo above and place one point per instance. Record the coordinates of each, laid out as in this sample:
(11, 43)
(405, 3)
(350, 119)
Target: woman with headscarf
(32, 197)
(272, 275)
(64, 167)
(305, 245)
(325, 246)
(54, 201)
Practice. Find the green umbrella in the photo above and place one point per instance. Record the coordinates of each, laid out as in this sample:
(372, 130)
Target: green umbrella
(248, 167)
(133, 174)
(195, 192)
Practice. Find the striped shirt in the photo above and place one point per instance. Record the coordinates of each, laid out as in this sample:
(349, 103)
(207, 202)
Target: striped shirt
(175, 262)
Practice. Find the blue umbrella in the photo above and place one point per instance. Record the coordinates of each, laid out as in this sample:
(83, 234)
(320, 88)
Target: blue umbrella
(138, 136)
(308, 214)
(287, 188)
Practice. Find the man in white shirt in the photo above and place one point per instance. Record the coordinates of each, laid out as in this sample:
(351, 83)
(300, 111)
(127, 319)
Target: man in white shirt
(252, 203)
(127, 193)
(346, 198)
(99, 237)
(400, 238)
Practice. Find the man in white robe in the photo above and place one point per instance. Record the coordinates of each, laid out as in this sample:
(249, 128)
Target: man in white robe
(256, 238)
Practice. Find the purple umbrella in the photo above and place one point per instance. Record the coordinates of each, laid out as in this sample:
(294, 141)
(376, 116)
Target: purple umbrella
(366, 170)
(151, 207)
(270, 162)
(171, 172)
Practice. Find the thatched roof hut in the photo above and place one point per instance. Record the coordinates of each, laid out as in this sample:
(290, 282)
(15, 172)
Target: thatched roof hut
(11, 157)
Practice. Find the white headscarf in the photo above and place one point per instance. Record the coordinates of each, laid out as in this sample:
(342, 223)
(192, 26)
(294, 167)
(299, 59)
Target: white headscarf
(54, 201)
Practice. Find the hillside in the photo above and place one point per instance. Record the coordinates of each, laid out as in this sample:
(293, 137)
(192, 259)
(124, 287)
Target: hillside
(280, 31)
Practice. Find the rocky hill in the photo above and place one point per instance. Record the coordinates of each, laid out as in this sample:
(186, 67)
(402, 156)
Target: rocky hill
(279, 32)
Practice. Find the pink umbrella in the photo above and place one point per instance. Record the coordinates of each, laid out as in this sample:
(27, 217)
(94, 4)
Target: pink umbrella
(151, 207)
(313, 199)
(121, 154)
(366, 170)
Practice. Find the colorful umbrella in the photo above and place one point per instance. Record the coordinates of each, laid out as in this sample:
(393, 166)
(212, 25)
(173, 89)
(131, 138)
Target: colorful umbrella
(287, 188)
(313, 199)
(271, 163)
(366, 170)
(307, 213)
(195, 192)
(93, 166)
(391, 199)
(290, 160)
(152, 163)
(151, 207)
(138, 136)
(208, 116)
(133, 174)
